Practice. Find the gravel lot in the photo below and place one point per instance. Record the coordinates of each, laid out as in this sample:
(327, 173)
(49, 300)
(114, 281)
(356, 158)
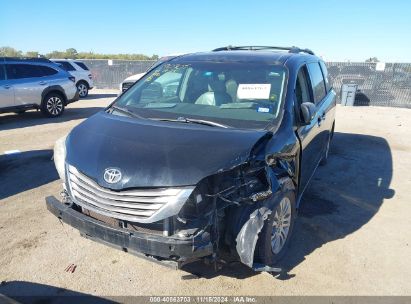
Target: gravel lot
(353, 235)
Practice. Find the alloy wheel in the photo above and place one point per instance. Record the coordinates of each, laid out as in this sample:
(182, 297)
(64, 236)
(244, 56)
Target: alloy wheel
(82, 90)
(281, 225)
(54, 105)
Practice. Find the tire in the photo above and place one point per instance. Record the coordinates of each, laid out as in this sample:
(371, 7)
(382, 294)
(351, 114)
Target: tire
(270, 249)
(82, 88)
(53, 105)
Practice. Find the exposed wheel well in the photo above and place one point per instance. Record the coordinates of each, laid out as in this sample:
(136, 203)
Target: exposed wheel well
(54, 91)
(83, 81)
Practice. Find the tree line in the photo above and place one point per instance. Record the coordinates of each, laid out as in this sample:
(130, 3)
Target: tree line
(72, 53)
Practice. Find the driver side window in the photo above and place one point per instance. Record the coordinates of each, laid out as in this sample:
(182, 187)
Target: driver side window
(301, 87)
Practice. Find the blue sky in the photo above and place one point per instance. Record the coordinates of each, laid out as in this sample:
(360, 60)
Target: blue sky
(337, 30)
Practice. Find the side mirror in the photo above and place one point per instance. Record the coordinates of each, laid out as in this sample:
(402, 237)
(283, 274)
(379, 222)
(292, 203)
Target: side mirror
(308, 112)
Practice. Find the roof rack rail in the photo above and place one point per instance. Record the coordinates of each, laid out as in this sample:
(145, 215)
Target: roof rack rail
(293, 49)
(33, 59)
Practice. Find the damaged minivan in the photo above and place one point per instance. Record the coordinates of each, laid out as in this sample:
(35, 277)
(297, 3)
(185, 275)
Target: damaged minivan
(205, 157)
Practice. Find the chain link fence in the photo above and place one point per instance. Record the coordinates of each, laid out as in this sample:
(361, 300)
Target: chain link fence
(108, 74)
(378, 84)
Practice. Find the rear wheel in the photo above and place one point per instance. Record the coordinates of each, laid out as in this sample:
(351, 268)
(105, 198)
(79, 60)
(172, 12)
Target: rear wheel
(52, 105)
(276, 233)
(82, 88)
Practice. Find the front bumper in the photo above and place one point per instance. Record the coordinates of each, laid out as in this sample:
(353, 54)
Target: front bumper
(75, 98)
(167, 250)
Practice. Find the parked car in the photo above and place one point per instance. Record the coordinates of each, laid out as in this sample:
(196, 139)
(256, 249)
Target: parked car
(84, 79)
(207, 154)
(35, 83)
(129, 81)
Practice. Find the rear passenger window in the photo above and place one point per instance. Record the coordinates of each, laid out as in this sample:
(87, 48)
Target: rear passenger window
(46, 71)
(81, 65)
(19, 71)
(2, 72)
(317, 81)
(66, 66)
(326, 78)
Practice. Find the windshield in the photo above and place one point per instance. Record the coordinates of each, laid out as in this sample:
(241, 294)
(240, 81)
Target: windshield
(242, 95)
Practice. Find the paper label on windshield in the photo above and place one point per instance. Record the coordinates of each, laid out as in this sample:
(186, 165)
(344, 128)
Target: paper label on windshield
(254, 91)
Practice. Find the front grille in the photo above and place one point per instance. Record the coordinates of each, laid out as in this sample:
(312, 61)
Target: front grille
(126, 85)
(145, 205)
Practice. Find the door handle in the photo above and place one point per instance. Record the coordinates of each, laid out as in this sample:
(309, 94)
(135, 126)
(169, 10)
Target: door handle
(7, 86)
(323, 116)
(42, 83)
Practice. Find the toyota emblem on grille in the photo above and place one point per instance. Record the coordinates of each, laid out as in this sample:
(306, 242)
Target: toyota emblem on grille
(112, 175)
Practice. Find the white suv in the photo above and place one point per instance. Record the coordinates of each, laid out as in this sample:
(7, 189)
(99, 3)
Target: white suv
(84, 80)
(35, 83)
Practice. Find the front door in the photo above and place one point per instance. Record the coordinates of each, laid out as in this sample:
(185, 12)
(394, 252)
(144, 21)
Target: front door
(310, 134)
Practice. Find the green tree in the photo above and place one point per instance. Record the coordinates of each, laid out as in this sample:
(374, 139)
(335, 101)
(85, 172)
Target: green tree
(7, 51)
(71, 53)
(56, 54)
(31, 54)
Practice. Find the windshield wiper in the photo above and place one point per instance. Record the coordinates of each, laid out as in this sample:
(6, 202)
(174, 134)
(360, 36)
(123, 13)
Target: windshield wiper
(126, 111)
(195, 121)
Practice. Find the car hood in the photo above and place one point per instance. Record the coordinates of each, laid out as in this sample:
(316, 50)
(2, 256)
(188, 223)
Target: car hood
(134, 77)
(154, 153)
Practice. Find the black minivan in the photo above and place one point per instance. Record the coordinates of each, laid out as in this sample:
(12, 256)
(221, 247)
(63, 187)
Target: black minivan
(205, 157)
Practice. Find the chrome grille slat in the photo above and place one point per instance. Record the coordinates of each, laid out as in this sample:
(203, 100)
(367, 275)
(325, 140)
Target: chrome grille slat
(149, 192)
(105, 212)
(113, 208)
(105, 195)
(126, 85)
(142, 205)
(114, 202)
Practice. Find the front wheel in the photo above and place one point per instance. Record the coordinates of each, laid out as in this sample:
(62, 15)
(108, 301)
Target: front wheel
(276, 233)
(52, 105)
(82, 89)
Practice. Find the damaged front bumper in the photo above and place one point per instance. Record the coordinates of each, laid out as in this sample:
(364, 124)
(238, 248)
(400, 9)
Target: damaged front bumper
(170, 251)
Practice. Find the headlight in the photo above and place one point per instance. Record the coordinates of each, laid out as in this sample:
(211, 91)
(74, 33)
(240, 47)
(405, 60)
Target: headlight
(60, 156)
